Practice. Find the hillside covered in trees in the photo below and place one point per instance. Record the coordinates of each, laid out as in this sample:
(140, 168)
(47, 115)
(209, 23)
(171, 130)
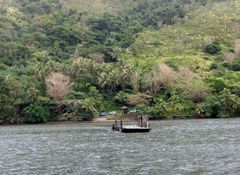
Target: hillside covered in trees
(71, 59)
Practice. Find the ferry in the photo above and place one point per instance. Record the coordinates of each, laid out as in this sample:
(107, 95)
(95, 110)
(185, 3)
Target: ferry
(142, 125)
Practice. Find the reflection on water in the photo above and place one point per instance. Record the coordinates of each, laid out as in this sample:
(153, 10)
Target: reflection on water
(191, 147)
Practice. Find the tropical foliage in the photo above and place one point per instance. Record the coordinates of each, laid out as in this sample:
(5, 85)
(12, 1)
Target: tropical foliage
(63, 60)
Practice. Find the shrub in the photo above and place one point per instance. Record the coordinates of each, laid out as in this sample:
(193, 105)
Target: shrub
(177, 105)
(185, 74)
(230, 101)
(226, 65)
(135, 81)
(213, 108)
(217, 84)
(212, 49)
(78, 110)
(237, 48)
(158, 109)
(139, 99)
(213, 66)
(167, 75)
(192, 85)
(161, 76)
(229, 57)
(235, 67)
(58, 85)
(155, 112)
(121, 98)
(36, 113)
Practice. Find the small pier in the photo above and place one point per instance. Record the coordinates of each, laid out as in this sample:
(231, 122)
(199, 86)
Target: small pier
(142, 126)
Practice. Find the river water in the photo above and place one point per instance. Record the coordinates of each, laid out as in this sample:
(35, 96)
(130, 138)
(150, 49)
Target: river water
(191, 147)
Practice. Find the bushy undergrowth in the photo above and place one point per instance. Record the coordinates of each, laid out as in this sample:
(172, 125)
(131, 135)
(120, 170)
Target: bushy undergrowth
(36, 113)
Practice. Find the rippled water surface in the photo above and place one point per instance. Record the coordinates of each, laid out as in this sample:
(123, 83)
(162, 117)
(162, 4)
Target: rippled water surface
(191, 147)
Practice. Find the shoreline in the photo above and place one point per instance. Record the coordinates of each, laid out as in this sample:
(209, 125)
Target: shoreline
(104, 120)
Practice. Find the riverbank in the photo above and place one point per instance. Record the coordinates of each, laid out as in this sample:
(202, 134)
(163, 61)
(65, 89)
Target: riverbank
(111, 120)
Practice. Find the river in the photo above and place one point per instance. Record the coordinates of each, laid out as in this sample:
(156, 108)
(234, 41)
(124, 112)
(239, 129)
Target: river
(191, 147)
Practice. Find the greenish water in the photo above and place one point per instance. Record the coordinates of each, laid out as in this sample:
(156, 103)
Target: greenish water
(191, 147)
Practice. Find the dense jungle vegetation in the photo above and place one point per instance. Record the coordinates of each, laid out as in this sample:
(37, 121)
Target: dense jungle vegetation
(71, 59)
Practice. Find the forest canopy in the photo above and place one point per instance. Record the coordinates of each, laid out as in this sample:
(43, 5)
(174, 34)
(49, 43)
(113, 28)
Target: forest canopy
(69, 59)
